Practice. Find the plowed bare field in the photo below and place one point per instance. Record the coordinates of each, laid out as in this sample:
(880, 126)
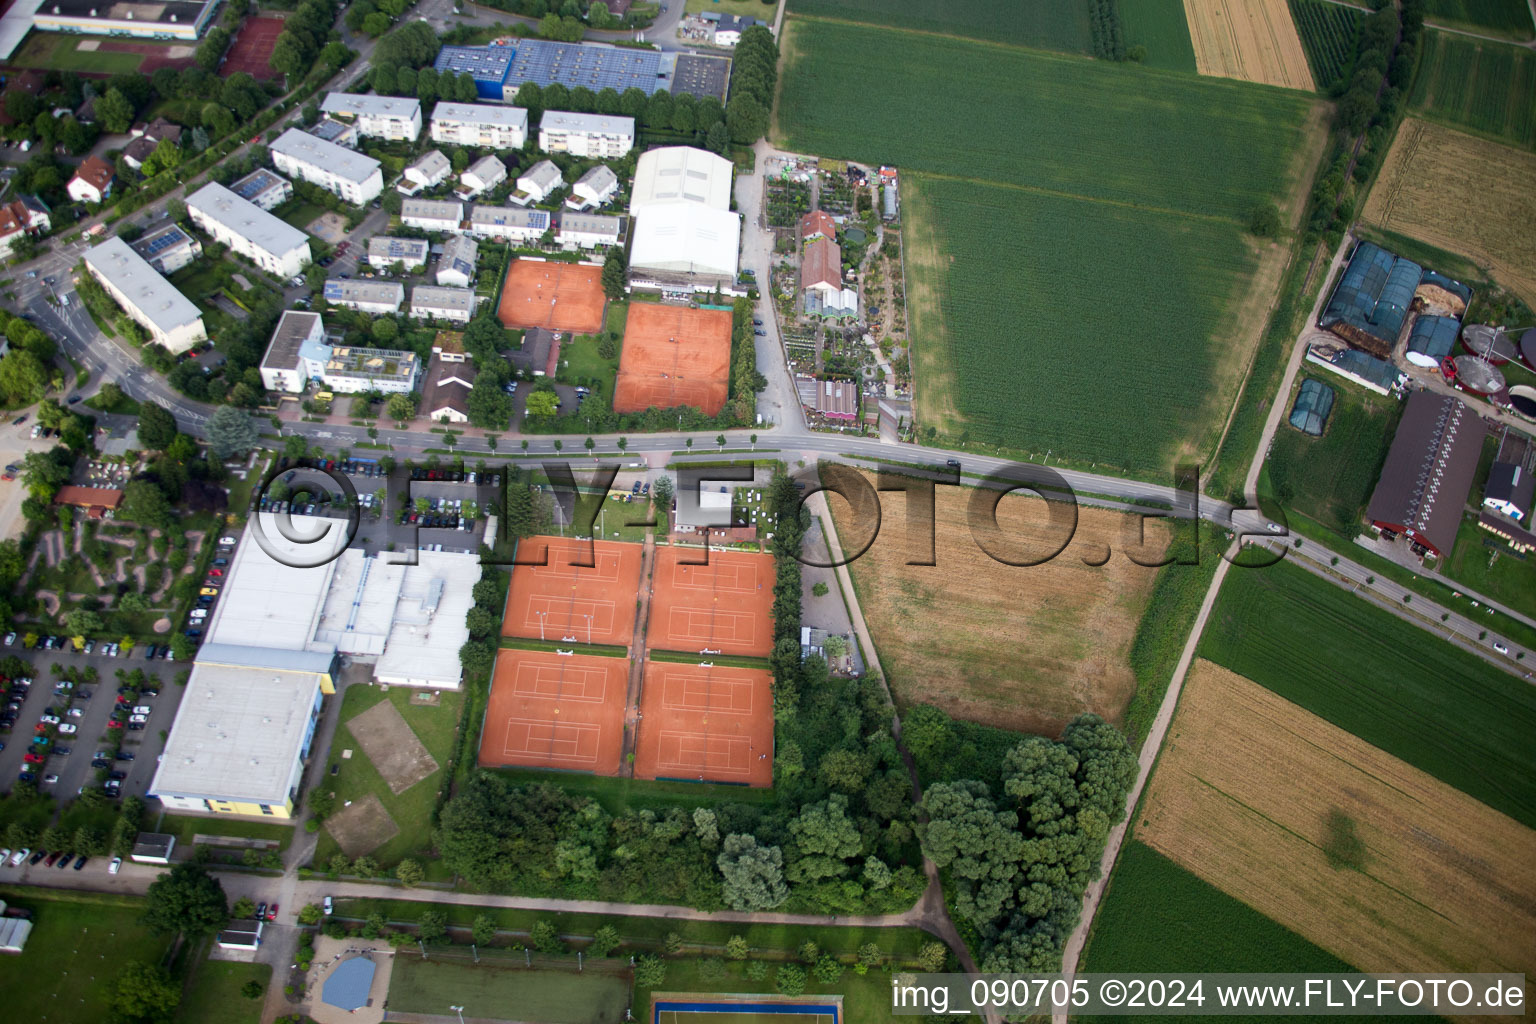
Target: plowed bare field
(1463, 194)
(1242, 795)
(1026, 648)
(1251, 40)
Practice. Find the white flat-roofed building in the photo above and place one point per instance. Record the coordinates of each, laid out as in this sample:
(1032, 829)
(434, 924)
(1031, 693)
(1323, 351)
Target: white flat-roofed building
(537, 183)
(430, 169)
(272, 244)
(353, 370)
(443, 215)
(168, 249)
(429, 622)
(593, 188)
(456, 266)
(587, 230)
(181, 20)
(264, 188)
(385, 117)
(681, 174)
(435, 302)
(351, 175)
(153, 302)
(384, 252)
(591, 135)
(482, 176)
(365, 296)
(684, 234)
(297, 353)
(480, 125)
(509, 223)
(241, 736)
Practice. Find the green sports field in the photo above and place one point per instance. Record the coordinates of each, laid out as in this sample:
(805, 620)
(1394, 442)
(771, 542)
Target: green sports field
(1478, 86)
(1079, 221)
(1057, 25)
(1388, 681)
(511, 992)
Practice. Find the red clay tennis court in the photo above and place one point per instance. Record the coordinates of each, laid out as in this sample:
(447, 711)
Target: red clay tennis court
(550, 710)
(713, 723)
(555, 296)
(570, 602)
(252, 48)
(674, 355)
(724, 606)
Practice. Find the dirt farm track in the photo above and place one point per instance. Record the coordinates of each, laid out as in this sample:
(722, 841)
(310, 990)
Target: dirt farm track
(1242, 795)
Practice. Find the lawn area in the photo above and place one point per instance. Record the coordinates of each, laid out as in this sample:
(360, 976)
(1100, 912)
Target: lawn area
(643, 933)
(741, 8)
(1330, 478)
(1156, 916)
(185, 826)
(213, 993)
(1488, 565)
(491, 988)
(1388, 681)
(411, 810)
(75, 952)
(299, 213)
(618, 796)
(61, 52)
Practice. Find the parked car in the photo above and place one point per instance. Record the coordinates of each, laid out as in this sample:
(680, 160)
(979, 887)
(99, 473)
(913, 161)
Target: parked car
(116, 866)
(209, 592)
(19, 856)
(126, 755)
(261, 911)
(1501, 647)
(68, 729)
(139, 718)
(328, 906)
(50, 779)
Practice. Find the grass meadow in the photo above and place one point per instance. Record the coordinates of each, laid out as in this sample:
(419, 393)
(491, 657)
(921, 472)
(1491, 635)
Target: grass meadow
(1058, 25)
(1043, 230)
(1329, 479)
(1387, 681)
(1160, 26)
(1483, 87)
(213, 993)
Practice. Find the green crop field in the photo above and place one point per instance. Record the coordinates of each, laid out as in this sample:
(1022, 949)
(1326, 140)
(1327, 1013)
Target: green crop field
(1045, 232)
(1388, 681)
(1328, 33)
(1044, 122)
(1480, 86)
(1058, 25)
(1161, 27)
(507, 990)
(1510, 18)
(1156, 916)
(1330, 478)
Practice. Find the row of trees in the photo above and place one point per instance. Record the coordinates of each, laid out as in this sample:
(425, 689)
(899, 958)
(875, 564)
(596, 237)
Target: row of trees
(425, 84)
(754, 75)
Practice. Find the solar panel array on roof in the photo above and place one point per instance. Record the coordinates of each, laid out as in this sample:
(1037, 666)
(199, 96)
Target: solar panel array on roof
(485, 63)
(154, 246)
(253, 185)
(1313, 404)
(596, 67)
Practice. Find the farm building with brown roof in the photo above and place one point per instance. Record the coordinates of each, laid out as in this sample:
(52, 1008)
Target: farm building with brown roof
(1428, 473)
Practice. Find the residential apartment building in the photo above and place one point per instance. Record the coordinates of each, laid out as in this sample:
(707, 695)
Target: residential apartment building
(604, 136)
(433, 302)
(350, 371)
(264, 188)
(593, 188)
(352, 176)
(587, 230)
(443, 215)
(480, 125)
(481, 176)
(384, 117)
(430, 169)
(536, 183)
(366, 296)
(272, 244)
(456, 266)
(296, 354)
(508, 223)
(168, 249)
(384, 252)
(154, 304)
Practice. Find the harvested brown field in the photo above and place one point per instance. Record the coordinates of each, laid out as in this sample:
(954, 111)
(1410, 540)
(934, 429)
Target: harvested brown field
(1025, 648)
(1462, 194)
(1250, 40)
(1243, 794)
(363, 827)
(397, 755)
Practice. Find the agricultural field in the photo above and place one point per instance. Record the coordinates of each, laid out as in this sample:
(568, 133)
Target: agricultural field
(1464, 194)
(1480, 86)
(1157, 916)
(1329, 479)
(1328, 33)
(1510, 18)
(1160, 27)
(1250, 40)
(1370, 858)
(1061, 25)
(954, 634)
(1387, 681)
(1064, 230)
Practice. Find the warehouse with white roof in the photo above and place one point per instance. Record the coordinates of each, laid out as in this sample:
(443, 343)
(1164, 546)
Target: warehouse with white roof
(685, 235)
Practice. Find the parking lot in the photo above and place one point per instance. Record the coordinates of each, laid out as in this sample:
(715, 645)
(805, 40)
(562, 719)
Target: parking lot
(74, 770)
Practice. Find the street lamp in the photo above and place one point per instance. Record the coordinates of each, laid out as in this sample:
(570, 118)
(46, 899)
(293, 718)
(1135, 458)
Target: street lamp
(460, 1011)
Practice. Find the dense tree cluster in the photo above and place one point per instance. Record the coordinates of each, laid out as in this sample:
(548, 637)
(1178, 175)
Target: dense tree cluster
(304, 36)
(25, 369)
(1104, 26)
(754, 73)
